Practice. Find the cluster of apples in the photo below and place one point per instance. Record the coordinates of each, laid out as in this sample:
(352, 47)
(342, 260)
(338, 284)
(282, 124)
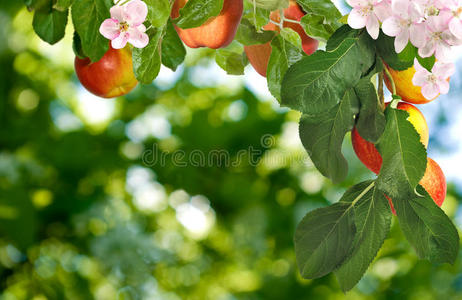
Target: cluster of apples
(113, 76)
(434, 180)
(259, 54)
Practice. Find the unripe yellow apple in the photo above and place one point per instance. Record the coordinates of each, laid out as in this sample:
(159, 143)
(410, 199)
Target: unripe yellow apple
(404, 86)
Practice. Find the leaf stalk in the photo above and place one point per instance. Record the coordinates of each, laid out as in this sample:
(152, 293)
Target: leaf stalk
(390, 78)
(380, 92)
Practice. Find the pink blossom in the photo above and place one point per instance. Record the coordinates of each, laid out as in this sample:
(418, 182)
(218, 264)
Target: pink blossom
(367, 13)
(126, 25)
(429, 8)
(383, 10)
(433, 83)
(404, 25)
(439, 39)
(454, 10)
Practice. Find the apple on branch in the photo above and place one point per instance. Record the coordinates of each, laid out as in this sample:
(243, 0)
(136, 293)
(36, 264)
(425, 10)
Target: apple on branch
(111, 76)
(433, 181)
(217, 32)
(259, 54)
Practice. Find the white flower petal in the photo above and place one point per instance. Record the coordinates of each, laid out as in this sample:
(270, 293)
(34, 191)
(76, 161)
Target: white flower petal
(418, 35)
(400, 8)
(430, 91)
(357, 3)
(117, 12)
(420, 78)
(415, 12)
(455, 26)
(443, 87)
(383, 10)
(450, 38)
(428, 49)
(401, 41)
(109, 29)
(444, 53)
(418, 67)
(443, 71)
(137, 38)
(356, 20)
(121, 41)
(136, 12)
(392, 26)
(373, 27)
(141, 28)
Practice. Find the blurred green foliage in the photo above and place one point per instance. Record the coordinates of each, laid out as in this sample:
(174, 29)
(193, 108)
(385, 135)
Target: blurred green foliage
(86, 211)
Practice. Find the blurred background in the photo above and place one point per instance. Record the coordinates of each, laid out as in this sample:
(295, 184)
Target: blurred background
(188, 188)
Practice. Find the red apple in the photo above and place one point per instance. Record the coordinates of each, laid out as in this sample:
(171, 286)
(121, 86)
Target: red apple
(434, 182)
(217, 32)
(111, 76)
(259, 54)
(366, 151)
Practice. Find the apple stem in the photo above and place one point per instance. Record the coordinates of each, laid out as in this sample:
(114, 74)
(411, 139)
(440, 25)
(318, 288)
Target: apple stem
(291, 21)
(281, 18)
(380, 91)
(276, 23)
(390, 78)
(284, 19)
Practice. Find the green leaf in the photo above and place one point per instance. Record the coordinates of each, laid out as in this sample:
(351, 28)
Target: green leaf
(62, 5)
(341, 34)
(322, 8)
(50, 26)
(291, 36)
(386, 49)
(283, 55)
(322, 137)
(371, 119)
(427, 62)
(404, 156)
(317, 83)
(259, 17)
(158, 12)
(323, 239)
(87, 16)
(409, 53)
(77, 46)
(39, 5)
(197, 12)
(321, 19)
(232, 59)
(315, 27)
(147, 61)
(248, 35)
(427, 227)
(173, 50)
(29, 3)
(372, 221)
(272, 4)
